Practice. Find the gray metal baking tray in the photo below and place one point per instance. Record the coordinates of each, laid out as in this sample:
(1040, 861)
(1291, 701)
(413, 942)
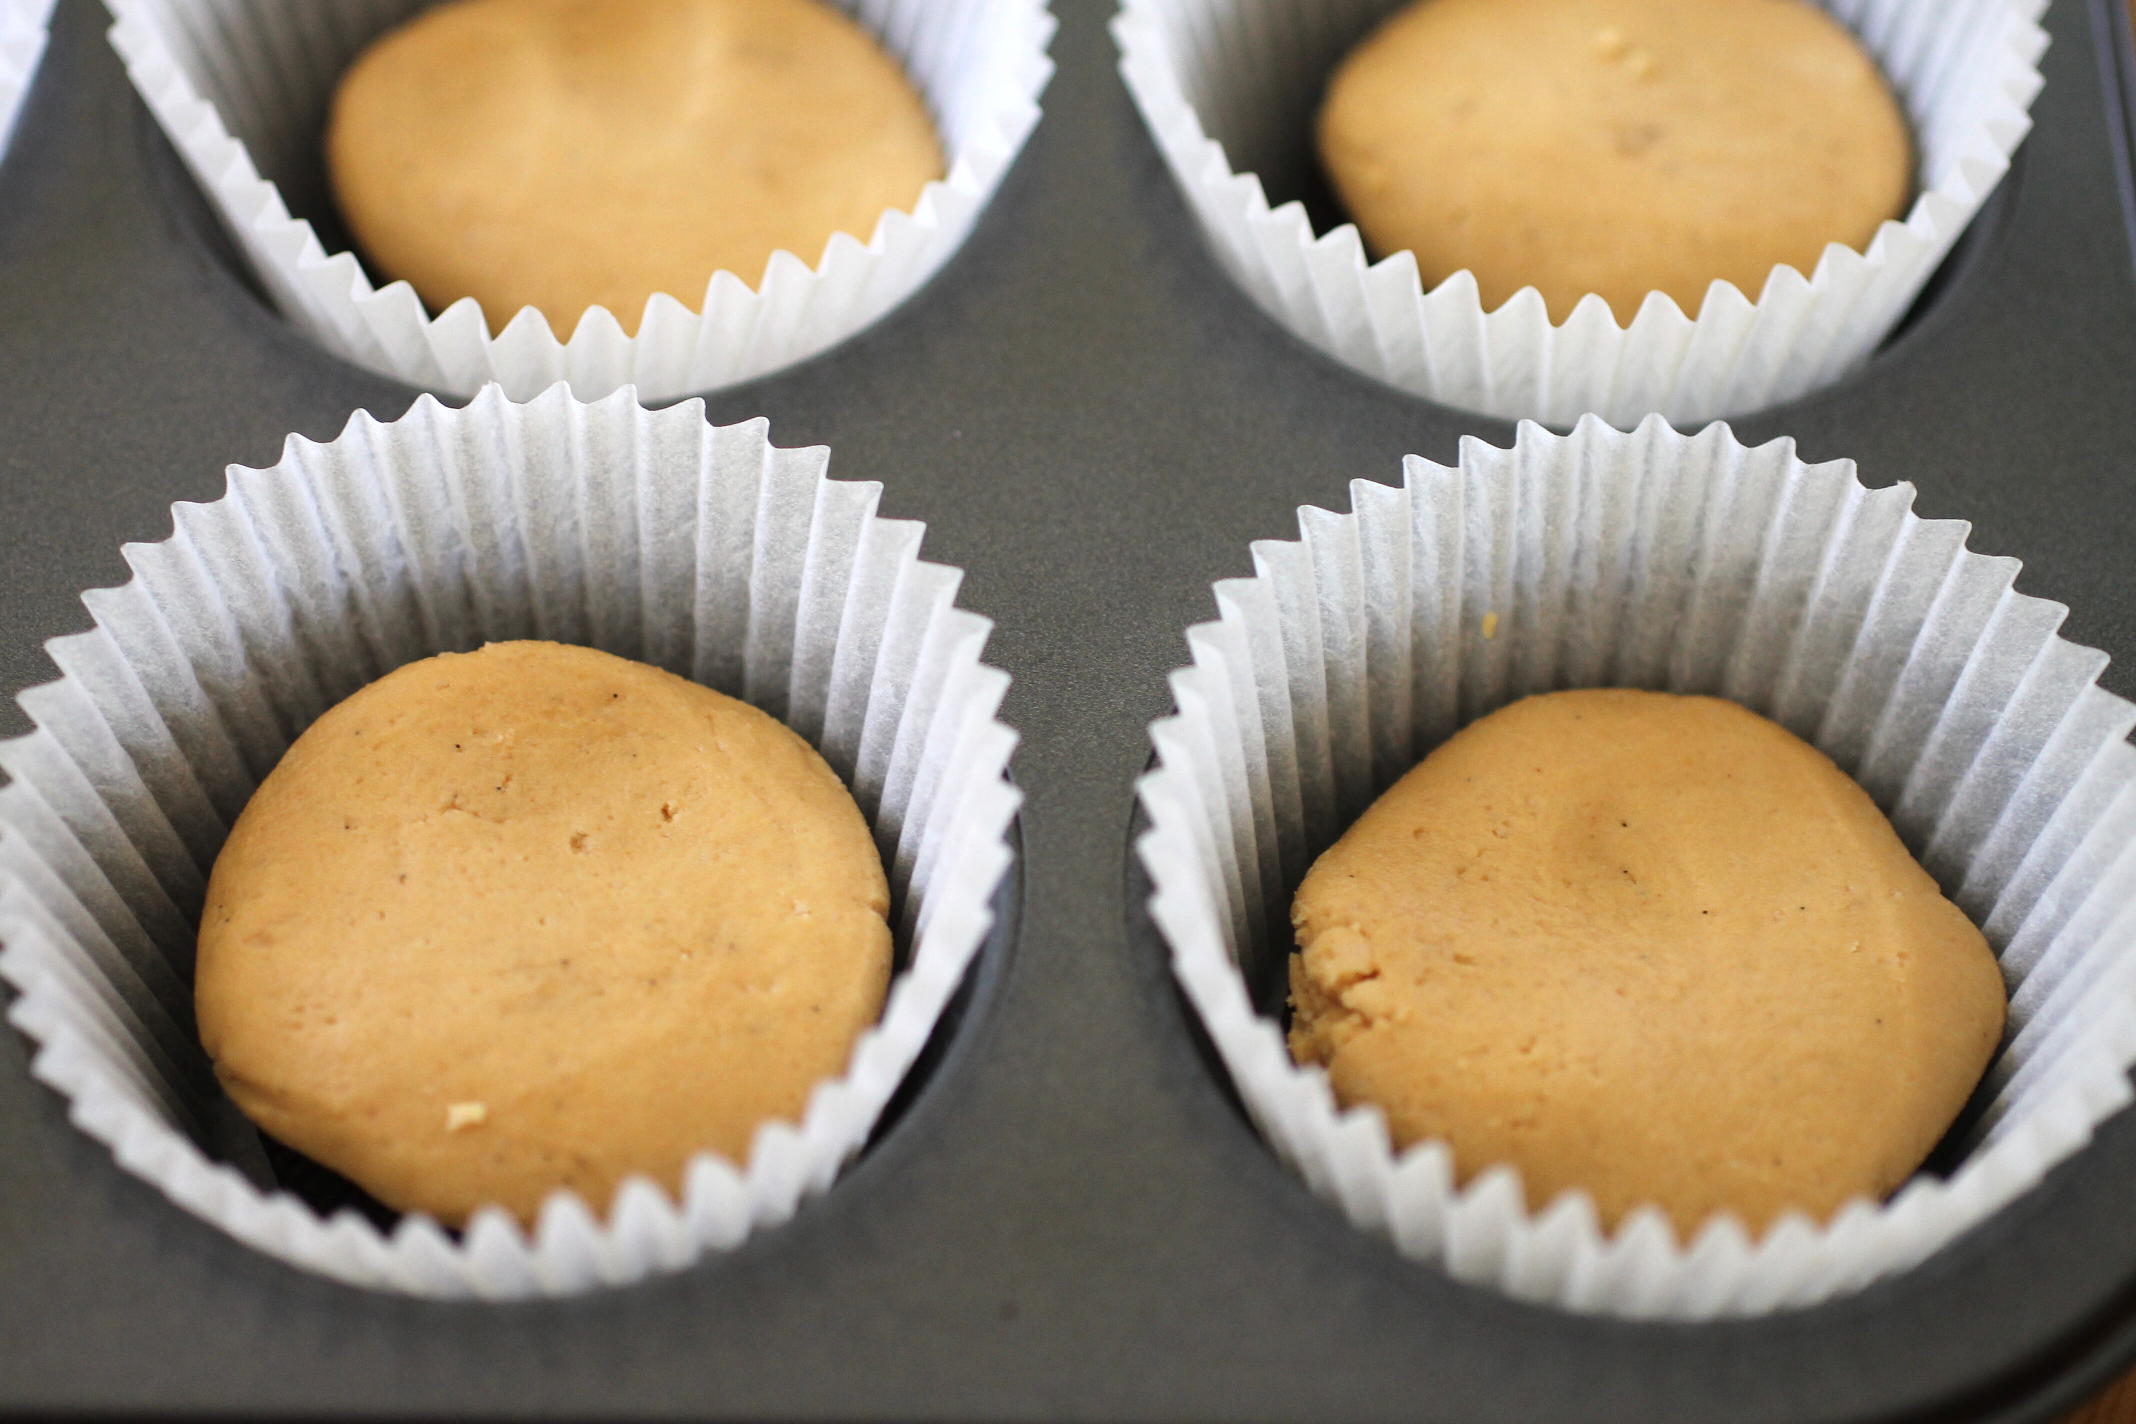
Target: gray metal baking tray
(1070, 1220)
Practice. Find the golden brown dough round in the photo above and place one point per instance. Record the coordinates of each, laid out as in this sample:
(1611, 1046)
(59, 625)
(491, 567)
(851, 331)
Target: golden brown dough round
(537, 917)
(1613, 146)
(562, 154)
(1656, 947)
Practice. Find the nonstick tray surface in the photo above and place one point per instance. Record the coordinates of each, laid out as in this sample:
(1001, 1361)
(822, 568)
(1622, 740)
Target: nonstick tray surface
(1071, 1219)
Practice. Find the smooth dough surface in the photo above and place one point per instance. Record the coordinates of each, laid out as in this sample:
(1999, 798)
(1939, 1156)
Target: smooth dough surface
(537, 917)
(1652, 946)
(563, 154)
(1613, 146)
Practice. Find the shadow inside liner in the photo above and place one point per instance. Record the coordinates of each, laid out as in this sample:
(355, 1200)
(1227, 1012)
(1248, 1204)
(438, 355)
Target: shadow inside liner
(298, 170)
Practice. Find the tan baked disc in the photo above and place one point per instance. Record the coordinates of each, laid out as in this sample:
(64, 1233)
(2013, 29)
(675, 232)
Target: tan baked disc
(1613, 146)
(1651, 946)
(537, 917)
(562, 154)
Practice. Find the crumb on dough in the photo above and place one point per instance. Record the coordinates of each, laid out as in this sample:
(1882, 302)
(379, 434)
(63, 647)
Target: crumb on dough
(461, 1116)
(1611, 47)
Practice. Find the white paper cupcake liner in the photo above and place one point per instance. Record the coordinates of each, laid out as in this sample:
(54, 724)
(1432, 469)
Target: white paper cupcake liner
(1229, 89)
(241, 88)
(24, 27)
(1692, 564)
(650, 534)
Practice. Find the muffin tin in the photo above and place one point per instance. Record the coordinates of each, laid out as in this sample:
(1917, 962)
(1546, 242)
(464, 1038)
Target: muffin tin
(1070, 1219)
